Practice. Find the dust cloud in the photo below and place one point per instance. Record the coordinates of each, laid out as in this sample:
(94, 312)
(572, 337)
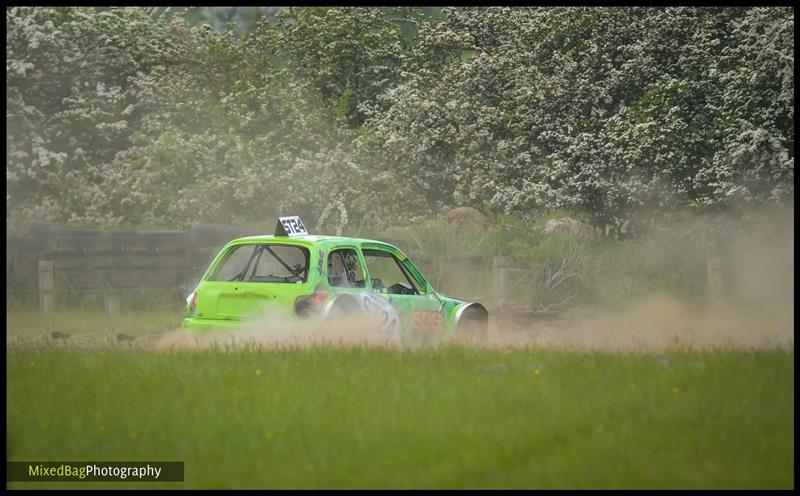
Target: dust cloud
(281, 332)
(753, 307)
(754, 311)
(660, 323)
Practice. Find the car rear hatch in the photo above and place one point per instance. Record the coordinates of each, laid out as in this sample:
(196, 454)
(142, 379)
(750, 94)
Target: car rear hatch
(254, 279)
(242, 301)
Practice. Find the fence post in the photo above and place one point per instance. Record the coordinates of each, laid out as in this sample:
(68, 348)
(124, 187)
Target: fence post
(714, 280)
(47, 286)
(111, 301)
(500, 279)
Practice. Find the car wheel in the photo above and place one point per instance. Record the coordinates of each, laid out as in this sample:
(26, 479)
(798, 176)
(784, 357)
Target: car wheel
(366, 315)
(472, 331)
(473, 325)
(342, 306)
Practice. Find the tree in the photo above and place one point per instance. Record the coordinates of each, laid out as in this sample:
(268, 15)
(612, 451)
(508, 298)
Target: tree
(350, 55)
(241, 141)
(609, 111)
(133, 115)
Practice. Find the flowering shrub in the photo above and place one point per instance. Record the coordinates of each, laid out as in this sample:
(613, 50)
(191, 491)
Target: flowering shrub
(606, 111)
(349, 115)
(73, 105)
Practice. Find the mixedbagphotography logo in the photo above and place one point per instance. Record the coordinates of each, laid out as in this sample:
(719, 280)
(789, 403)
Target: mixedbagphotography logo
(94, 471)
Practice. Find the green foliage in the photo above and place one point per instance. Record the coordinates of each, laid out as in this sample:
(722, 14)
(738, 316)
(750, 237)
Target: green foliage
(350, 55)
(245, 19)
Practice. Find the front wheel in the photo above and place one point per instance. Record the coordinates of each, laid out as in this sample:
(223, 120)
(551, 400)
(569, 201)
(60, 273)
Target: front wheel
(473, 325)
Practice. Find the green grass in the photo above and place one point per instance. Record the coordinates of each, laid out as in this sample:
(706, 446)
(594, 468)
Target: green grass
(444, 418)
(28, 326)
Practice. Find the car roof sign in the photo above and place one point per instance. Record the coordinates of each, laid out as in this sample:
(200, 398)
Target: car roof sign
(290, 226)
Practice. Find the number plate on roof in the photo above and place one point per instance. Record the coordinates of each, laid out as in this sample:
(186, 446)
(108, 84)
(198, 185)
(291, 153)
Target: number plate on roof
(290, 226)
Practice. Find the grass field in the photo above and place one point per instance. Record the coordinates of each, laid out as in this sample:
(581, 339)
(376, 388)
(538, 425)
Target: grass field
(378, 418)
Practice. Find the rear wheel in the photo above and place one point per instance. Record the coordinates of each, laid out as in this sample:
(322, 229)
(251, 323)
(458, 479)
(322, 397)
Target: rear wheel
(362, 319)
(343, 306)
(340, 322)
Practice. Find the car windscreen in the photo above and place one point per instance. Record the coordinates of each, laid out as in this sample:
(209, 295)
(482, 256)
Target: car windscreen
(273, 263)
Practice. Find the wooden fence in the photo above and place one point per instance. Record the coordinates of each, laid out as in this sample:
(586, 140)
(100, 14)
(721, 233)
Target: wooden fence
(55, 265)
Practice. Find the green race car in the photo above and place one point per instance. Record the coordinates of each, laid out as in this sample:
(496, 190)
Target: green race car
(321, 277)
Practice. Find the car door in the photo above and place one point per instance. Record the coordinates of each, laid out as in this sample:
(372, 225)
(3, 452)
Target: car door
(344, 270)
(390, 277)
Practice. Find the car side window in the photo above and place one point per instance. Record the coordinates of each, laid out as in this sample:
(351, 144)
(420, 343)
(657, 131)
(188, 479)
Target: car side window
(232, 268)
(268, 263)
(388, 274)
(279, 263)
(344, 269)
